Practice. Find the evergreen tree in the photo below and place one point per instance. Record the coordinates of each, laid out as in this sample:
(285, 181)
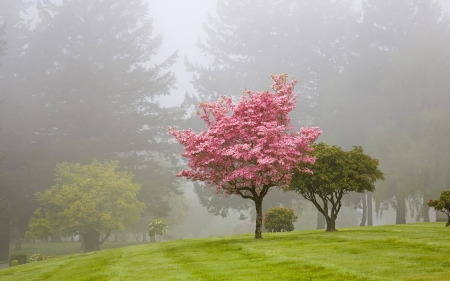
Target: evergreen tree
(81, 82)
(392, 98)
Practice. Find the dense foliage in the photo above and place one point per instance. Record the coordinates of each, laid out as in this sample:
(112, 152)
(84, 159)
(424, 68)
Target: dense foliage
(249, 146)
(335, 173)
(279, 219)
(87, 200)
(157, 227)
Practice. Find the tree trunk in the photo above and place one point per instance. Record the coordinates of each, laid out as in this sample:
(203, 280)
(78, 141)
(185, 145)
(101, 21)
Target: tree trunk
(331, 223)
(153, 238)
(401, 210)
(91, 241)
(364, 207)
(369, 209)
(4, 237)
(258, 206)
(425, 210)
(320, 220)
(144, 237)
(81, 238)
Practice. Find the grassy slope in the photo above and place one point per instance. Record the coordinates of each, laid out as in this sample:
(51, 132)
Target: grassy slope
(394, 252)
(61, 248)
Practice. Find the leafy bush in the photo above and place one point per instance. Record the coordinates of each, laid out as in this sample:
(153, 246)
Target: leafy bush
(280, 219)
(442, 204)
(21, 258)
(157, 227)
(14, 263)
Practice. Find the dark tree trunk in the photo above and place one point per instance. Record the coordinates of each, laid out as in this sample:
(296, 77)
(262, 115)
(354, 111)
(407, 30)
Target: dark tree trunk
(4, 237)
(320, 220)
(153, 238)
(401, 210)
(425, 210)
(144, 237)
(91, 241)
(331, 223)
(448, 222)
(364, 207)
(369, 209)
(258, 206)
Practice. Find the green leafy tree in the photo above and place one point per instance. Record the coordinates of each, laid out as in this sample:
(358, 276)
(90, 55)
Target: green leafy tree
(442, 204)
(87, 200)
(335, 173)
(157, 227)
(279, 219)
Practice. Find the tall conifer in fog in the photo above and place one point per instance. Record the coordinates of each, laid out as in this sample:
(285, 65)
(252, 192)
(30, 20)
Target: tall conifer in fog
(393, 98)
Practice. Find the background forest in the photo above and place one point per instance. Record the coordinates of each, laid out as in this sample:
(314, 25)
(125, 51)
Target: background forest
(83, 80)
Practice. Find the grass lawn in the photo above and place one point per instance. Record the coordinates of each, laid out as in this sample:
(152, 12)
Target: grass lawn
(394, 252)
(61, 248)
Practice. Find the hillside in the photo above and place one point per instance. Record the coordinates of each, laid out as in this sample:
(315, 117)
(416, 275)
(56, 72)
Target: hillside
(393, 252)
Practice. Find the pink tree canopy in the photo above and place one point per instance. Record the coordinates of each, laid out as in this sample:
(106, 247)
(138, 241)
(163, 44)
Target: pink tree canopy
(248, 146)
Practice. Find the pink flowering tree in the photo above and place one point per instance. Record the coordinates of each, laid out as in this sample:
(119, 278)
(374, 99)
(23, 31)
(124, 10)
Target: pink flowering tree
(249, 146)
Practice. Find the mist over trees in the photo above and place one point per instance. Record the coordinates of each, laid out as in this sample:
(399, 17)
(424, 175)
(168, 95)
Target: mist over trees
(392, 98)
(82, 79)
(373, 77)
(79, 82)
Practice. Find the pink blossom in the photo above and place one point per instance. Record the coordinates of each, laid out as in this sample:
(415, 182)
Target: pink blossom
(255, 145)
(248, 146)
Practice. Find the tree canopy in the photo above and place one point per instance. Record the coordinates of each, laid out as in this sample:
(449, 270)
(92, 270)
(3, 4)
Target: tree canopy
(335, 173)
(86, 200)
(249, 146)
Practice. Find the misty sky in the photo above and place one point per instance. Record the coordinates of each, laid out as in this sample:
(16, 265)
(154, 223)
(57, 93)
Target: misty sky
(180, 24)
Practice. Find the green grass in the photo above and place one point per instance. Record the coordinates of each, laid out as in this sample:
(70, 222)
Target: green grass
(394, 252)
(60, 248)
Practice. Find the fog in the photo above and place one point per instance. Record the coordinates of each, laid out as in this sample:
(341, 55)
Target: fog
(84, 80)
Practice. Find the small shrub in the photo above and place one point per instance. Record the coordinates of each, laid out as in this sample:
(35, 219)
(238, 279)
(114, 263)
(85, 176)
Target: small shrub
(40, 257)
(280, 219)
(14, 263)
(158, 227)
(442, 204)
(37, 257)
(21, 258)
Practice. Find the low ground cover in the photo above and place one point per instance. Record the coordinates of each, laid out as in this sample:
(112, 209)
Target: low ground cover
(393, 252)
